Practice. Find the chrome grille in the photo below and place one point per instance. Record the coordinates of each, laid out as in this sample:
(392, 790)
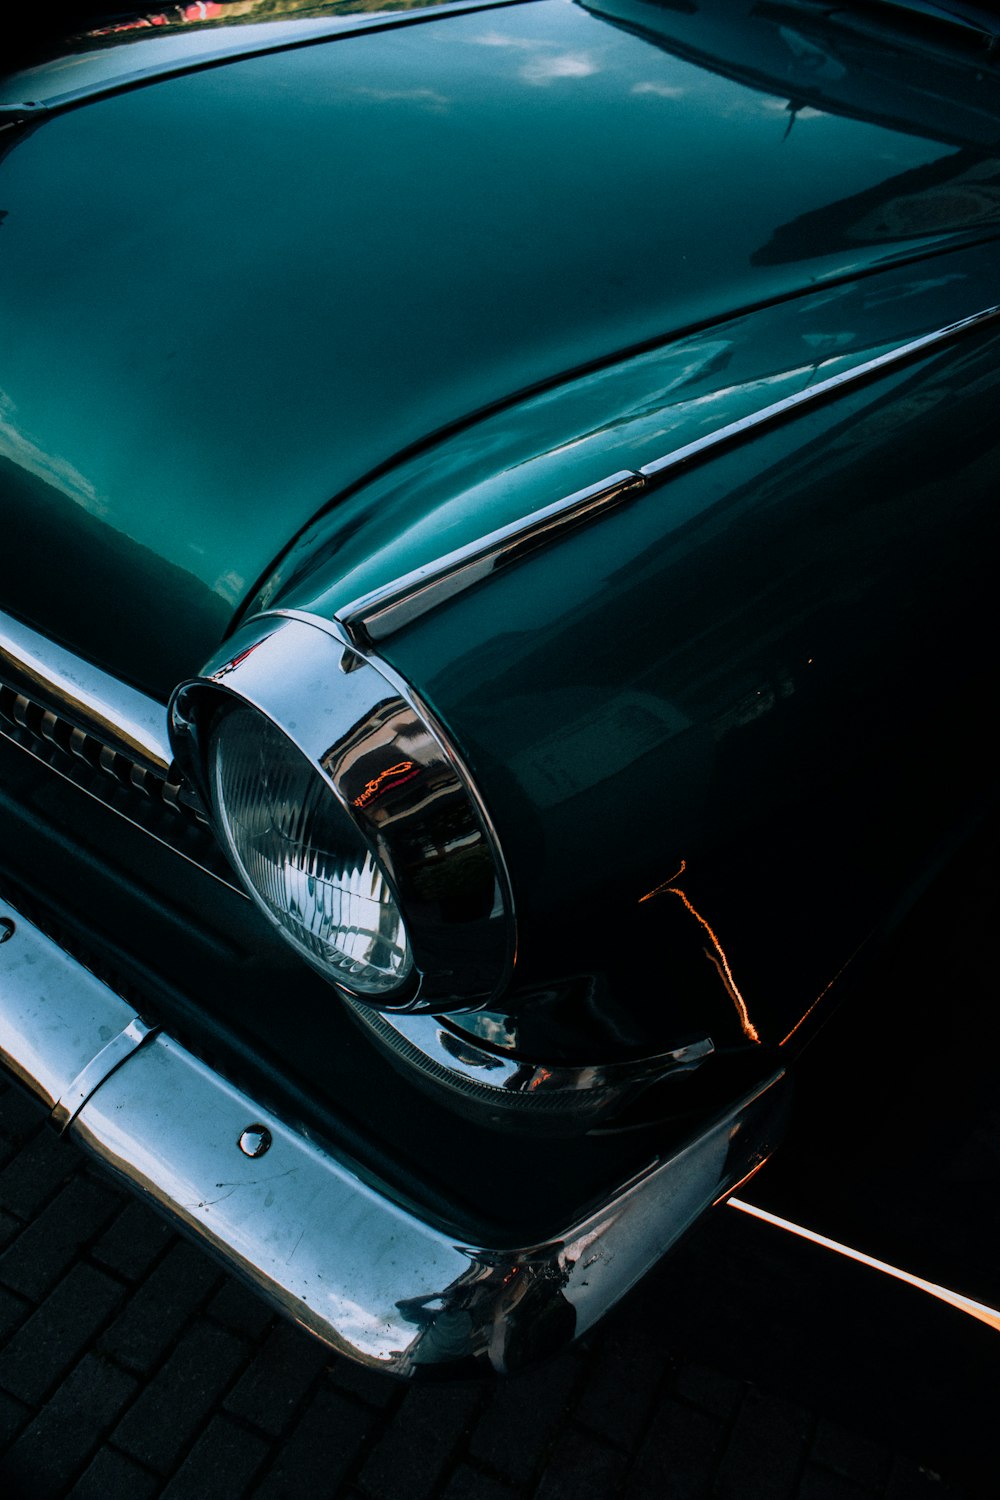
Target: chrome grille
(78, 752)
(99, 735)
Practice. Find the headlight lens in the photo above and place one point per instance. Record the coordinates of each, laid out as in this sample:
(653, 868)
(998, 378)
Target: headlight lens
(345, 810)
(303, 859)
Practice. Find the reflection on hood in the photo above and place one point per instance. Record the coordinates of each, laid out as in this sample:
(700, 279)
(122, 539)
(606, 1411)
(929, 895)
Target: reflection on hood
(908, 73)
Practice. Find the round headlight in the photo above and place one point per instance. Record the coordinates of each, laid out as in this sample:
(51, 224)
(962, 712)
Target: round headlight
(302, 859)
(349, 816)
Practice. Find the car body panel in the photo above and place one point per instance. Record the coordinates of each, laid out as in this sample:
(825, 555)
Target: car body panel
(198, 365)
(665, 675)
(279, 330)
(129, 52)
(742, 704)
(623, 416)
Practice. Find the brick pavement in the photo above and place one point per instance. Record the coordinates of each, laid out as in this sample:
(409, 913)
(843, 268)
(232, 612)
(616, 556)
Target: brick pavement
(132, 1366)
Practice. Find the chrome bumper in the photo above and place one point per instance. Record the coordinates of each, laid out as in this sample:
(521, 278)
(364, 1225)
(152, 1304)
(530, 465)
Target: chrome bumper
(368, 1276)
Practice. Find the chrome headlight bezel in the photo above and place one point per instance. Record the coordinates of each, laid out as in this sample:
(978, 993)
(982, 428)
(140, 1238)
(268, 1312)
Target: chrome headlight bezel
(356, 723)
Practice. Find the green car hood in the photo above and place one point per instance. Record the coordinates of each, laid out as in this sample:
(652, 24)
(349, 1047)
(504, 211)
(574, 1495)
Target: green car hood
(229, 297)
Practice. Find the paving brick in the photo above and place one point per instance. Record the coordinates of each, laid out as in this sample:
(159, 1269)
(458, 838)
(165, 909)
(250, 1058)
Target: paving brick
(192, 1381)
(21, 1115)
(371, 1386)
(36, 1173)
(679, 1455)
(622, 1383)
(765, 1450)
(823, 1484)
(275, 1384)
(158, 1310)
(136, 1239)
(222, 1463)
(850, 1455)
(13, 1311)
(520, 1418)
(321, 1451)
(48, 1246)
(13, 1416)
(53, 1450)
(54, 1337)
(710, 1389)
(472, 1484)
(113, 1476)
(412, 1455)
(10, 1227)
(582, 1467)
(911, 1481)
(240, 1309)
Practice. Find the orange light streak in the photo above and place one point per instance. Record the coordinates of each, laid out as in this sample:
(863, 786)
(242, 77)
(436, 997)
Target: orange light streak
(988, 1315)
(805, 1016)
(372, 787)
(716, 958)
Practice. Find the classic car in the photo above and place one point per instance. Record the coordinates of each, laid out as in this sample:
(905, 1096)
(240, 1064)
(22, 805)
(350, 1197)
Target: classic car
(498, 516)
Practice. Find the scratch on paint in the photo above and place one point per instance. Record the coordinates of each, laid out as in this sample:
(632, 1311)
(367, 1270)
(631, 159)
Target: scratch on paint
(232, 1186)
(210, 1202)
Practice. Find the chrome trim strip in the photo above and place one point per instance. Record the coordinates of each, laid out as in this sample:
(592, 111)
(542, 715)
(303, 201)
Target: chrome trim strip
(452, 1058)
(368, 1276)
(56, 1017)
(98, 1070)
(818, 392)
(105, 738)
(372, 1278)
(123, 718)
(359, 727)
(980, 1310)
(380, 613)
(385, 610)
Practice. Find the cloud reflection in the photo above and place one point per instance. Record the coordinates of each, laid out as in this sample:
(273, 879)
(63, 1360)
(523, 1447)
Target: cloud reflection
(564, 65)
(49, 467)
(499, 39)
(661, 90)
(550, 61)
(429, 98)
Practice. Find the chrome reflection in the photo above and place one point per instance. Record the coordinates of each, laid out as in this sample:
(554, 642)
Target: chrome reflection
(394, 776)
(388, 609)
(82, 696)
(370, 1276)
(106, 738)
(62, 1030)
(443, 1053)
(100, 1067)
(381, 612)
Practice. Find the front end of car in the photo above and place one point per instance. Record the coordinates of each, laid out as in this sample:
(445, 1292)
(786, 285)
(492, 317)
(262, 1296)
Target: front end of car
(462, 711)
(445, 1212)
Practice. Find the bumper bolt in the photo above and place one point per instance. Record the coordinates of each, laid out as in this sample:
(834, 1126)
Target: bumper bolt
(255, 1140)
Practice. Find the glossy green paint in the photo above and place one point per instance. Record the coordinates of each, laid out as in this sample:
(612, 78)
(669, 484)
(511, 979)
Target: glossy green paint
(754, 696)
(229, 299)
(90, 64)
(620, 417)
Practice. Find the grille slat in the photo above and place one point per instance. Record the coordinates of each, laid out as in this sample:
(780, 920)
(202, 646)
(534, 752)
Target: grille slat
(160, 804)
